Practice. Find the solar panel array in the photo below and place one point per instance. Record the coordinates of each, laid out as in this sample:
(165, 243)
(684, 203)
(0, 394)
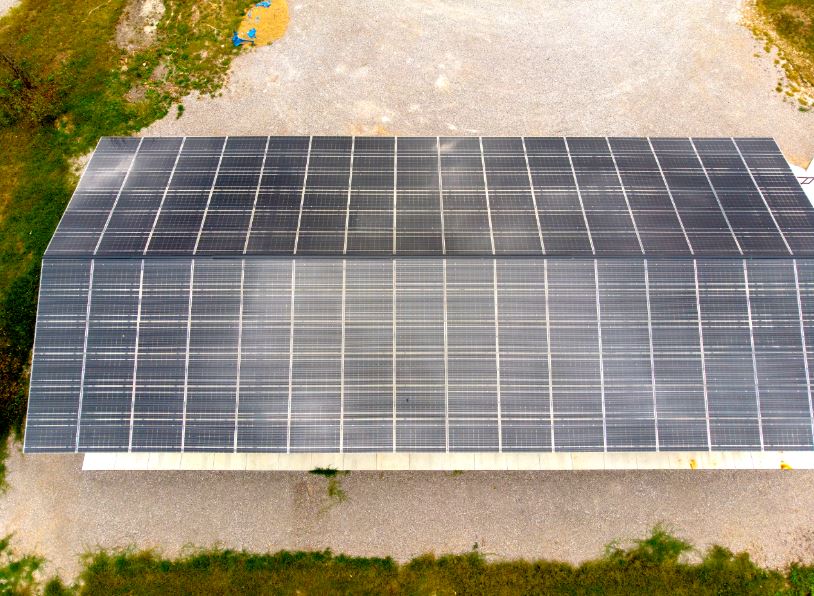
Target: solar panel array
(334, 196)
(536, 294)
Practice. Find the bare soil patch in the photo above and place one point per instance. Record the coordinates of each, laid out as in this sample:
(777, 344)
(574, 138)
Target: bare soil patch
(138, 25)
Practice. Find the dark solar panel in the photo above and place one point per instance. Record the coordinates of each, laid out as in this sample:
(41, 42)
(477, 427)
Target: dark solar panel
(228, 294)
(480, 197)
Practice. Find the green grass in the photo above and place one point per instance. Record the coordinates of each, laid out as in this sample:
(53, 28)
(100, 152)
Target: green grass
(325, 472)
(63, 84)
(656, 565)
(790, 25)
(17, 573)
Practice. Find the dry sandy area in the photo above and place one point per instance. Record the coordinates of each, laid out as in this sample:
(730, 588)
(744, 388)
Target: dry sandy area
(434, 67)
(6, 5)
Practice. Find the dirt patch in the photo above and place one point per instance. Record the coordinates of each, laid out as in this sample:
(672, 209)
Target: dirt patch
(136, 94)
(268, 23)
(138, 24)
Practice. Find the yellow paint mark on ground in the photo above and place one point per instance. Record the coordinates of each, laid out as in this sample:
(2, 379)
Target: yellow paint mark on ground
(693, 464)
(784, 466)
(269, 23)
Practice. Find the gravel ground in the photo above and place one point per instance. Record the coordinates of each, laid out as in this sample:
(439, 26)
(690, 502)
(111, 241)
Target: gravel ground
(60, 511)
(524, 67)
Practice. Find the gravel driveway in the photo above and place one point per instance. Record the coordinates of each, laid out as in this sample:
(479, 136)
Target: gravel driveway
(433, 67)
(59, 511)
(518, 67)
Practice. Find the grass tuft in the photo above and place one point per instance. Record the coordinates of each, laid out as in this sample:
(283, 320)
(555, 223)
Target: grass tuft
(325, 472)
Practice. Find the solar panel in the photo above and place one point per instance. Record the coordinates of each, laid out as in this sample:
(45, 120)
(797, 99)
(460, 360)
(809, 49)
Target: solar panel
(330, 196)
(349, 294)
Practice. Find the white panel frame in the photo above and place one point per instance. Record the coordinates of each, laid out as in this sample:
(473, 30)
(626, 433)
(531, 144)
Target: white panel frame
(135, 357)
(533, 195)
(579, 196)
(350, 188)
(670, 194)
(209, 198)
(601, 358)
(256, 195)
(486, 191)
(624, 194)
(239, 350)
(703, 354)
(186, 356)
(164, 196)
(717, 199)
(754, 355)
(118, 196)
(302, 196)
(652, 357)
(497, 359)
(441, 198)
(805, 347)
(762, 196)
(291, 353)
(548, 355)
(84, 356)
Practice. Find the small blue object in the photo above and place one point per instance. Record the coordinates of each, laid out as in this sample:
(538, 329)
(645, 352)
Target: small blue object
(238, 41)
(264, 4)
(252, 33)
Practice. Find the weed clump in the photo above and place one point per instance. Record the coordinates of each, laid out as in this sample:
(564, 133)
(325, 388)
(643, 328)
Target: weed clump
(325, 472)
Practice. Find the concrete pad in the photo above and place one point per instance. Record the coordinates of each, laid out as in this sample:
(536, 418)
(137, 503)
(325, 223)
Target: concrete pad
(165, 461)
(460, 461)
(229, 461)
(675, 460)
(428, 461)
(684, 460)
(132, 461)
(621, 460)
(392, 461)
(295, 462)
(359, 461)
(650, 461)
(588, 461)
(327, 460)
(197, 461)
(520, 461)
(735, 460)
(491, 460)
(556, 461)
(262, 461)
(99, 461)
(797, 460)
(709, 460)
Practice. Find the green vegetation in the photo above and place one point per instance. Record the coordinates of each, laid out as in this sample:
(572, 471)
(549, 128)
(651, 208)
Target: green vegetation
(656, 565)
(789, 25)
(326, 472)
(17, 574)
(64, 83)
(335, 491)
